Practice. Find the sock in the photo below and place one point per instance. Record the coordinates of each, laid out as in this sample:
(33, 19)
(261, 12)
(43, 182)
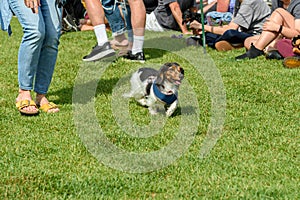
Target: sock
(100, 33)
(138, 43)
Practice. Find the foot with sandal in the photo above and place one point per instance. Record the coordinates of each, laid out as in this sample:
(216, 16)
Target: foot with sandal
(27, 106)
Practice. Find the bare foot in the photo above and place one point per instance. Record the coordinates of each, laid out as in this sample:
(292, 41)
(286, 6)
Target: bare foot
(25, 95)
(41, 100)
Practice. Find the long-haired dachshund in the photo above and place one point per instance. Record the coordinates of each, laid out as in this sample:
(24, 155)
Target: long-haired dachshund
(151, 87)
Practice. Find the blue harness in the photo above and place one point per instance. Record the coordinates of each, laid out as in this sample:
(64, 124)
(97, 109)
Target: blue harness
(168, 99)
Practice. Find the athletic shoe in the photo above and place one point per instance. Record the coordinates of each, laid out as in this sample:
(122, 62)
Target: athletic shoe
(138, 57)
(226, 46)
(291, 62)
(100, 52)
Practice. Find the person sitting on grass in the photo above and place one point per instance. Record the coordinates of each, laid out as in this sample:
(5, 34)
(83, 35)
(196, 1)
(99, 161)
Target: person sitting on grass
(168, 16)
(282, 23)
(247, 21)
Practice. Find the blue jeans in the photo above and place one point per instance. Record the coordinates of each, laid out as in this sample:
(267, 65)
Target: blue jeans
(39, 46)
(113, 15)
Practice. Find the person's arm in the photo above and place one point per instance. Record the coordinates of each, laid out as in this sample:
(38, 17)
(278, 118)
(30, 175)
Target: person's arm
(177, 14)
(219, 30)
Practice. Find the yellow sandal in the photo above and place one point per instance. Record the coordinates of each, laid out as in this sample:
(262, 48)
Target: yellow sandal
(24, 104)
(48, 106)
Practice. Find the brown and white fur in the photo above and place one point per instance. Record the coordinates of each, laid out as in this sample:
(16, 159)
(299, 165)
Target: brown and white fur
(152, 88)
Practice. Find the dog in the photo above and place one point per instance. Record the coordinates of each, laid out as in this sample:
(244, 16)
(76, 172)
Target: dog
(188, 16)
(152, 88)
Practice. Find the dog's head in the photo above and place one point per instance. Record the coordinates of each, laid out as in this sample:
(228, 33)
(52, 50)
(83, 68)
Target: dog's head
(189, 15)
(172, 73)
(296, 44)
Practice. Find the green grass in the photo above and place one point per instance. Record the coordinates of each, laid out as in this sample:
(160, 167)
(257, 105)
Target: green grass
(257, 156)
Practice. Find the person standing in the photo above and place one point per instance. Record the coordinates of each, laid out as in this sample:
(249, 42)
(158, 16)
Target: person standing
(41, 24)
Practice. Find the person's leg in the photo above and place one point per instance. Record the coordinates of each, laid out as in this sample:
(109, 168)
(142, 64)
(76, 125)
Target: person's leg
(96, 14)
(231, 39)
(138, 18)
(116, 23)
(48, 55)
(250, 40)
(29, 51)
(279, 16)
(127, 16)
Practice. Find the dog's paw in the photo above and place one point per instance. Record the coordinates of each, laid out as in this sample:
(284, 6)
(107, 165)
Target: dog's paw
(169, 113)
(152, 111)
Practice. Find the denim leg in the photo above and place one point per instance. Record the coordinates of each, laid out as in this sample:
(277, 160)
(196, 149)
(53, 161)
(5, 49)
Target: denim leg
(234, 36)
(127, 15)
(49, 50)
(30, 47)
(114, 17)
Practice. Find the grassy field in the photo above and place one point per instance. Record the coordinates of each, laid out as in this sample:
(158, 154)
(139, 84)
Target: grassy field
(75, 154)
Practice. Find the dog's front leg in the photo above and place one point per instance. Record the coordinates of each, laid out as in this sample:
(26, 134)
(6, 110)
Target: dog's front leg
(171, 109)
(152, 107)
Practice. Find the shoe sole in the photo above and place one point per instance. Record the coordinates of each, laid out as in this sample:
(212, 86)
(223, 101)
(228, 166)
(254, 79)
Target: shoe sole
(99, 56)
(226, 46)
(291, 62)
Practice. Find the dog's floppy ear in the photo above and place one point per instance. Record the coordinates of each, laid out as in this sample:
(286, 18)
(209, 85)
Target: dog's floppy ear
(161, 73)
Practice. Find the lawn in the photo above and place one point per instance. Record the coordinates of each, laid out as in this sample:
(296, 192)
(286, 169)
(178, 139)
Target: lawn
(234, 136)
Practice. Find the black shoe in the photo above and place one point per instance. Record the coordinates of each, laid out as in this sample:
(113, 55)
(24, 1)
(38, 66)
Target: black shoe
(138, 57)
(100, 52)
(253, 52)
(274, 54)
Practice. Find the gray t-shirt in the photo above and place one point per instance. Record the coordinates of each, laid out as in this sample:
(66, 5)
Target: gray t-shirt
(252, 15)
(294, 8)
(164, 15)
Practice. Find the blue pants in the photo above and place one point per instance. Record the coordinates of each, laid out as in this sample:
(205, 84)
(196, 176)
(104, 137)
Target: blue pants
(39, 46)
(234, 36)
(113, 15)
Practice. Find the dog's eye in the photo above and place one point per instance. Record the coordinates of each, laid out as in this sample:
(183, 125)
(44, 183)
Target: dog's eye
(181, 70)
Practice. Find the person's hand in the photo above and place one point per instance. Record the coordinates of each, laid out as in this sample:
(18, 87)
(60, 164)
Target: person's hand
(33, 4)
(195, 25)
(187, 32)
(197, 32)
(271, 26)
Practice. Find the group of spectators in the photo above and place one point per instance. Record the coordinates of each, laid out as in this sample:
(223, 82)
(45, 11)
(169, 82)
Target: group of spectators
(261, 28)
(257, 25)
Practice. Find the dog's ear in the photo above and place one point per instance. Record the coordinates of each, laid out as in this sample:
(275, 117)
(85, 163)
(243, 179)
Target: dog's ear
(161, 73)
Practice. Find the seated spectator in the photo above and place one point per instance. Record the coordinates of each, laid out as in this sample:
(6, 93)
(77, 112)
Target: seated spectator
(168, 16)
(247, 21)
(282, 23)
